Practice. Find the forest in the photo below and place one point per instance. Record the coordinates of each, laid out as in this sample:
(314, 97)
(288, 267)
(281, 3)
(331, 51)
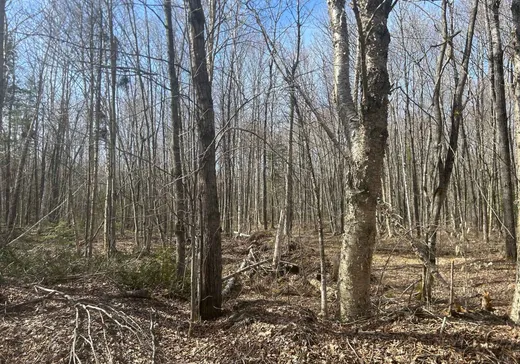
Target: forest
(259, 181)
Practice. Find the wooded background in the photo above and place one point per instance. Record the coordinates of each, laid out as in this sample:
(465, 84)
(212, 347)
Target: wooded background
(100, 116)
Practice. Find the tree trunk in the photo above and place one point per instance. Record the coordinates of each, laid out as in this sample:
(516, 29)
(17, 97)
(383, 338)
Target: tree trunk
(506, 167)
(445, 167)
(2, 97)
(211, 269)
(515, 11)
(264, 146)
(110, 226)
(18, 182)
(176, 147)
(367, 136)
(321, 240)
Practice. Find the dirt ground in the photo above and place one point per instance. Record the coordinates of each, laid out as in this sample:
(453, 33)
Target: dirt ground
(274, 320)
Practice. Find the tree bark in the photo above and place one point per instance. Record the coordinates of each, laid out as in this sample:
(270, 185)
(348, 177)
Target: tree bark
(178, 188)
(211, 269)
(4, 164)
(506, 167)
(110, 223)
(264, 146)
(515, 11)
(319, 213)
(367, 134)
(29, 133)
(445, 168)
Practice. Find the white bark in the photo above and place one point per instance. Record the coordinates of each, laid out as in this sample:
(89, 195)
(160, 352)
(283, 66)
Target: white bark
(515, 10)
(367, 135)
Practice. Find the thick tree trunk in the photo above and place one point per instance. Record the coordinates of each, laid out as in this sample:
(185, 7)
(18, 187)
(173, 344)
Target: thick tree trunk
(211, 269)
(367, 136)
(5, 183)
(345, 106)
(515, 10)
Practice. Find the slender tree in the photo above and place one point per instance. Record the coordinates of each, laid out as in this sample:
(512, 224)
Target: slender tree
(446, 164)
(506, 167)
(110, 211)
(178, 189)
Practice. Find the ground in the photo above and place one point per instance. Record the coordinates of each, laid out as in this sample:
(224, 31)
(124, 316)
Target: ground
(88, 319)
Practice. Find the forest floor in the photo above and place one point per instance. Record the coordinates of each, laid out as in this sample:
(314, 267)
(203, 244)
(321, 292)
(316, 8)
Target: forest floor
(87, 318)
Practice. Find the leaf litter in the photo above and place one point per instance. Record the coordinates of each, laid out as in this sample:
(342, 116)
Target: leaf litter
(270, 319)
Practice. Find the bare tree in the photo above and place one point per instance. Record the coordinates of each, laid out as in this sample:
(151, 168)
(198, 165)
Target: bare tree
(366, 135)
(2, 79)
(28, 135)
(211, 262)
(445, 166)
(499, 98)
(178, 187)
(515, 11)
(110, 223)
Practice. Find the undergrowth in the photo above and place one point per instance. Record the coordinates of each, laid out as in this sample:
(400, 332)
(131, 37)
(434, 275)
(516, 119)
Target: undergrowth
(52, 259)
(154, 271)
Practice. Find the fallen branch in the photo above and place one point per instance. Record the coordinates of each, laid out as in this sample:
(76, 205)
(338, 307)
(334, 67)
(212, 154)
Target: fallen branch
(82, 332)
(16, 306)
(241, 235)
(53, 292)
(152, 335)
(245, 269)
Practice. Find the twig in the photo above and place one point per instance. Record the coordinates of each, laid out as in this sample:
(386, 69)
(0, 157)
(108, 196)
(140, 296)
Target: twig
(90, 339)
(54, 292)
(152, 335)
(442, 325)
(354, 351)
(73, 358)
(121, 320)
(450, 307)
(107, 348)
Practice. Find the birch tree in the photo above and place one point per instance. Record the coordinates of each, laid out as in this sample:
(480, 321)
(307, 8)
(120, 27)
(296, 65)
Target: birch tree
(366, 134)
(515, 11)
